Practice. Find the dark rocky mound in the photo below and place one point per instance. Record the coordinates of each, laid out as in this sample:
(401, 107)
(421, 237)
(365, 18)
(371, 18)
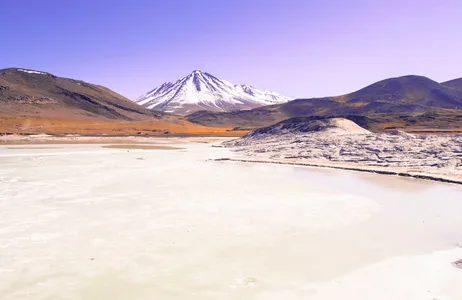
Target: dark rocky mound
(309, 125)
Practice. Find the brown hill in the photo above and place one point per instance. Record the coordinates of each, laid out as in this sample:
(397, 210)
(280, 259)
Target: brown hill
(409, 101)
(33, 93)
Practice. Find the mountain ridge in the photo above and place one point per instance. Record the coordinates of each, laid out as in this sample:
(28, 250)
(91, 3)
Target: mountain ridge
(399, 100)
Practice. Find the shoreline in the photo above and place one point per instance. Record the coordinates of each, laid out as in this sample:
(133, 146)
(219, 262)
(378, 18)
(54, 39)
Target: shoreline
(81, 139)
(162, 141)
(355, 168)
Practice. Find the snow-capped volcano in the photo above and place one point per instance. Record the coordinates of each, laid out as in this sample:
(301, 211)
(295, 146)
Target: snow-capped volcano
(202, 91)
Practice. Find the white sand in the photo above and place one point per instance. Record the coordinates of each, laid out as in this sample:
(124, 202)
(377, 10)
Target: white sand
(85, 222)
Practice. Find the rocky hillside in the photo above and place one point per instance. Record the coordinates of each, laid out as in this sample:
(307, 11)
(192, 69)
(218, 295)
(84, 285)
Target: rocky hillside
(29, 93)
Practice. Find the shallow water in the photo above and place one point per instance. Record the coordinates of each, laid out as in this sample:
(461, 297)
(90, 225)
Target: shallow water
(86, 222)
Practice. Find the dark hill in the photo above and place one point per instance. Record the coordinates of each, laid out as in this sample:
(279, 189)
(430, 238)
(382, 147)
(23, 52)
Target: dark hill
(455, 84)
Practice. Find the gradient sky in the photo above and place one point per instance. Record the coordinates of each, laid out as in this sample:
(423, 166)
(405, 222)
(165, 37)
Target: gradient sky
(299, 48)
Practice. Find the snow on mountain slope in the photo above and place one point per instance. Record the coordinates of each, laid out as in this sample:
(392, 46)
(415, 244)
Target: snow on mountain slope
(202, 91)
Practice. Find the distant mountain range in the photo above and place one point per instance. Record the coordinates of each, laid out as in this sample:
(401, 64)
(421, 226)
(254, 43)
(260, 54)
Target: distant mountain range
(202, 91)
(402, 102)
(395, 102)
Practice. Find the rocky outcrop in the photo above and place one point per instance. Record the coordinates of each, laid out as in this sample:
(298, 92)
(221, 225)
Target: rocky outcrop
(310, 125)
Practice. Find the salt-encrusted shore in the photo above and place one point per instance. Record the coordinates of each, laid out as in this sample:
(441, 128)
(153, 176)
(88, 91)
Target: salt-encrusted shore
(341, 144)
(103, 139)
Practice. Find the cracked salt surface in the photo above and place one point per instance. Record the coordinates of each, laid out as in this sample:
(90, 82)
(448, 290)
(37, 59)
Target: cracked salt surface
(84, 222)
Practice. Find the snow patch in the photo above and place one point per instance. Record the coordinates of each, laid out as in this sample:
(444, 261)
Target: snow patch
(31, 71)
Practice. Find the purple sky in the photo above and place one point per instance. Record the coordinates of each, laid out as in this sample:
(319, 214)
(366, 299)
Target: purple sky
(299, 48)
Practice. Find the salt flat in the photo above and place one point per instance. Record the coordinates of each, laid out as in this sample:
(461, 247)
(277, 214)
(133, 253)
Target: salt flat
(88, 222)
